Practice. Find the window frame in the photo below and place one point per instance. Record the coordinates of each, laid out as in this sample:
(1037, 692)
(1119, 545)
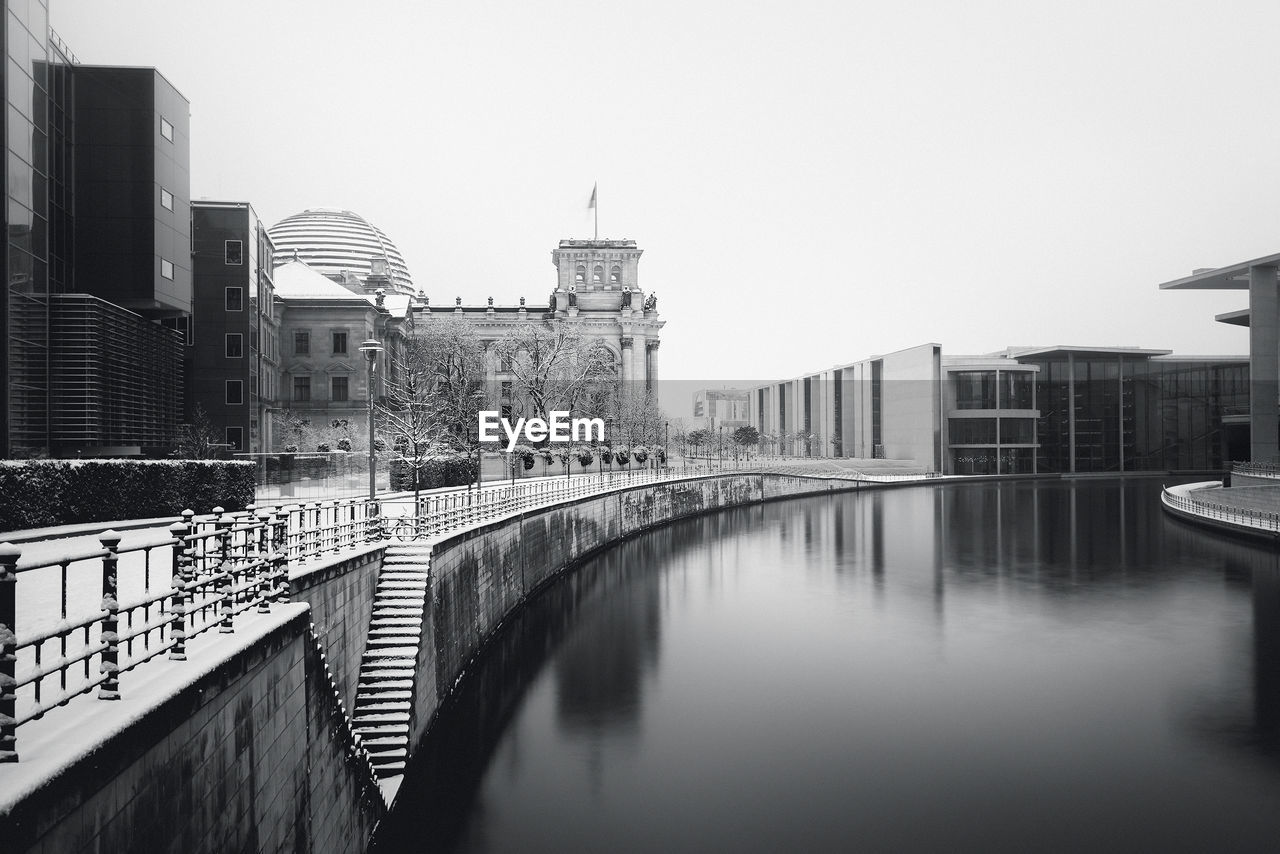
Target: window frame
(226, 253)
(238, 385)
(303, 335)
(163, 194)
(236, 445)
(333, 341)
(166, 264)
(346, 388)
(238, 337)
(226, 298)
(293, 391)
(165, 124)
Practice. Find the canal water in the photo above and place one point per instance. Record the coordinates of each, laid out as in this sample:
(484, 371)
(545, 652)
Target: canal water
(1052, 666)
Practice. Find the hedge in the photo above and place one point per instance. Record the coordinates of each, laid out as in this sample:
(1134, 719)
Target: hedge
(43, 493)
(435, 472)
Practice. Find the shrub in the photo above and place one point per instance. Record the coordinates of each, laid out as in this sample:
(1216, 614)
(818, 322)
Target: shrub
(456, 470)
(41, 493)
(323, 448)
(622, 455)
(641, 453)
(344, 444)
(585, 457)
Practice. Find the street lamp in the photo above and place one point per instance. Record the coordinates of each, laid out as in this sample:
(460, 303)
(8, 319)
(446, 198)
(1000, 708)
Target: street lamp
(721, 446)
(666, 438)
(371, 349)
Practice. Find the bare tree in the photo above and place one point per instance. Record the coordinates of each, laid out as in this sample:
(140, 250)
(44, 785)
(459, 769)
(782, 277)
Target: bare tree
(556, 368)
(432, 399)
(198, 440)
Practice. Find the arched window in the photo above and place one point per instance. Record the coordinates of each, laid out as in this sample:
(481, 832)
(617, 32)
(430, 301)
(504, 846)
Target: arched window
(615, 275)
(581, 274)
(597, 275)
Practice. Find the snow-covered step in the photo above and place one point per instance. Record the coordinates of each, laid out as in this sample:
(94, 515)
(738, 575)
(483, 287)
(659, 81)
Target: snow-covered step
(385, 685)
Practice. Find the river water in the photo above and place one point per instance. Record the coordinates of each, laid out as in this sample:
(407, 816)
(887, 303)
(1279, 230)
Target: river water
(1024, 666)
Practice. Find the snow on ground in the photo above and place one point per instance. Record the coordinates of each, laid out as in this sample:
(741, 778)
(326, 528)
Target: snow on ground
(48, 746)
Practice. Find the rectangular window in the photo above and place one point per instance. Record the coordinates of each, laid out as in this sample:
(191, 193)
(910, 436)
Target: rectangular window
(166, 268)
(302, 389)
(302, 342)
(166, 129)
(338, 388)
(166, 199)
(339, 343)
(235, 438)
(233, 252)
(235, 392)
(235, 345)
(234, 299)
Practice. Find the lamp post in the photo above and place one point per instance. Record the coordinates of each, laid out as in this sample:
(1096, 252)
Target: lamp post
(371, 349)
(666, 438)
(721, 446)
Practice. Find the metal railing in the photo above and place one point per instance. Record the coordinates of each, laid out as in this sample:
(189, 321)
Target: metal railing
(91, 616)
(1259, 520)
(1257, 469)
(86, 621)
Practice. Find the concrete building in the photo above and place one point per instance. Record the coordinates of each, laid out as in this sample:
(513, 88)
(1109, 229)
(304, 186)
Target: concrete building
(97, 257)
(722, 407)
(1021, 410)
(232, 363)
(1262, 317)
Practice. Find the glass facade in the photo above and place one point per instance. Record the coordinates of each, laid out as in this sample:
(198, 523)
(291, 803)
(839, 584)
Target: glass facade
(975, 389)
(35, 88)
(1126, 412)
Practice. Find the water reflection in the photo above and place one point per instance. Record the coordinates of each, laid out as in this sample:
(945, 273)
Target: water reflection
(1013, 666)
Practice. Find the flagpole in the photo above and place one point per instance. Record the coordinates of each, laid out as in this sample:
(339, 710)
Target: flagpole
(596, 210)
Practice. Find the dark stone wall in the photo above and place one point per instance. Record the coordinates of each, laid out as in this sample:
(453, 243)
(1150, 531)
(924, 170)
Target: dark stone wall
(341, 599)
(480, 576)
(252, 757)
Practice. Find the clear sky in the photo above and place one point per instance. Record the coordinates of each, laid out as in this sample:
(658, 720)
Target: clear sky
(812, 182)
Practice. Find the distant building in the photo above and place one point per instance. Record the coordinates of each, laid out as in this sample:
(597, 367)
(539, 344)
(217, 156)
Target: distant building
(96, 254)
(232, 365)
(1022, 410)
(721, 407)
(338, 244)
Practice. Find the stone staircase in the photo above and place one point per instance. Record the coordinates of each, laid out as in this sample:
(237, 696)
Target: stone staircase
(384, 695)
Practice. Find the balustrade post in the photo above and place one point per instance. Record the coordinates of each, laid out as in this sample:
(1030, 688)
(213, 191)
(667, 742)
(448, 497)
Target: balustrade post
(222, 527)
(263, 560)
(110, 689)
(280, 555)
(9, 554)
(181, 584)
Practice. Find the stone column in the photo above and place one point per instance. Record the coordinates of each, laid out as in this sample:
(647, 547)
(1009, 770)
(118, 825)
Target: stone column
(1264, 365)
(627, 370)
(651, 354)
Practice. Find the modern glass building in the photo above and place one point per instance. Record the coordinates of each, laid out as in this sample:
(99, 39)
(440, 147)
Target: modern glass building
(334, 242)
(1020, 411)
(96, 249)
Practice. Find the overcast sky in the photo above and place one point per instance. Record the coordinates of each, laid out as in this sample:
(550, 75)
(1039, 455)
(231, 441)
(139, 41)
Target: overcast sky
(812, 182)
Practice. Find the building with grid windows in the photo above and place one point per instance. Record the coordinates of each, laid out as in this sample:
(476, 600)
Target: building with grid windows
(97, 254)
(1022, 410)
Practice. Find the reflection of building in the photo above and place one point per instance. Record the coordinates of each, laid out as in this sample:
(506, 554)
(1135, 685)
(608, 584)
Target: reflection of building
(721, 407)
(98, 282)
(1023, 410)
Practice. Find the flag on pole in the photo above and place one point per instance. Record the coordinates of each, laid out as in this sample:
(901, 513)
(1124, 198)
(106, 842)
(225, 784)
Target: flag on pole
(591, 204)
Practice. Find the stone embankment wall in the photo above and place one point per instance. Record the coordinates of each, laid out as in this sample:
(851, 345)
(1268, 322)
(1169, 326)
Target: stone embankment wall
(340, 594)
(248, 758)
(479, 576)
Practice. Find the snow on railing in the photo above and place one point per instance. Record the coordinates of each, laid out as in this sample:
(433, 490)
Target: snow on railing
(88, 617)
(1259, 520)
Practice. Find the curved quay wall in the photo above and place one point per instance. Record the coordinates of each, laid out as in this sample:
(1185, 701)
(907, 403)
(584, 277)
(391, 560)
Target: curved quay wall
(480, 575)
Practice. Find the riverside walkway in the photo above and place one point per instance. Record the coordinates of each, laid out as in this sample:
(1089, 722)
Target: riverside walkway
(91, 614)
